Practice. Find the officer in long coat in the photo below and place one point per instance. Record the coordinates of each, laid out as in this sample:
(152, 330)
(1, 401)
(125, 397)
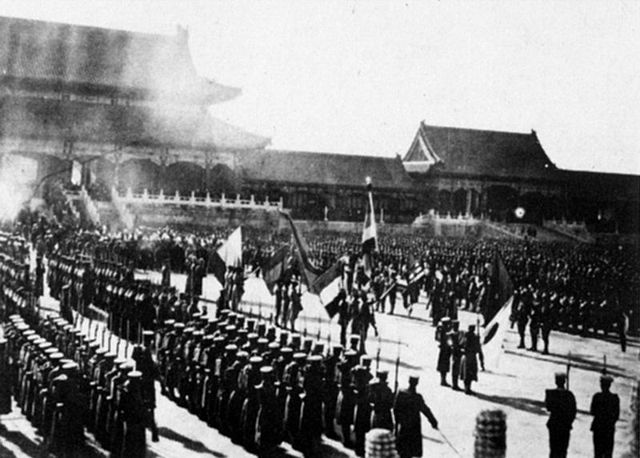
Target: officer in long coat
(472, 352)
(134, 417)
(561, 404)
(269, 422)
(381, 401)
(409, 404)
(605, 408)
(5, 379)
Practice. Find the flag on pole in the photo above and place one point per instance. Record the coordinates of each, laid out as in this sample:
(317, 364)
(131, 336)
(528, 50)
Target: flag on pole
(501, 288)
(369, 232)
(231, 250)
(494, 334)
(308, 271)
(274, 267)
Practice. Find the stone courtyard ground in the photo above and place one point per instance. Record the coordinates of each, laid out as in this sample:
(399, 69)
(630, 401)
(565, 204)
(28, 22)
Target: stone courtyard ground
(516, 386)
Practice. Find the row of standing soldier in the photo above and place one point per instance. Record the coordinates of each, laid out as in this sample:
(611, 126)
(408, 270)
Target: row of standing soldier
(65, 381)
(262, 389)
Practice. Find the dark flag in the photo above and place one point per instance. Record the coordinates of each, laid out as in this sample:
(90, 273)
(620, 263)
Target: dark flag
(501, 288)
(369, 233)
(274, 267)
(217, 266)
(333, 307)
(308, 271)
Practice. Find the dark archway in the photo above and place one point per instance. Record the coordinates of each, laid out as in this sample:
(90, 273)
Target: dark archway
(501, 202)
(534, 204)
(138, 174)
(183, 177)
(223, 180)
(444, 201)
(460, 201)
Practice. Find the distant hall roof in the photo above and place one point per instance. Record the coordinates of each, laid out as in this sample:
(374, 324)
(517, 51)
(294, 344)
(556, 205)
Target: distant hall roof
(478, 152)
(323, 168)
(104, 60)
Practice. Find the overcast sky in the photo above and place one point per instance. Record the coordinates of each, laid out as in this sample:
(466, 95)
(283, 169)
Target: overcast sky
(357, 77)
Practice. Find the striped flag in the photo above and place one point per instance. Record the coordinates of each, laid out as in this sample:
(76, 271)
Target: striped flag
(274, 267)
(369, 232)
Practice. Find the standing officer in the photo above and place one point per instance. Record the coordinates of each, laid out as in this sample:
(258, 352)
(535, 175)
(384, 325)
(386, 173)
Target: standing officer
(409, 404)
(605, 408)
(561, 404)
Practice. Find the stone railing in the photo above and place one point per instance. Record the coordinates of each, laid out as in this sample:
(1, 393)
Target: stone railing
(576, 230)
(192, 200)
(445, 218)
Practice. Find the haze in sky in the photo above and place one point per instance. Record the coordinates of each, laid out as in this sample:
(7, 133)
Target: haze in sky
(357, 77)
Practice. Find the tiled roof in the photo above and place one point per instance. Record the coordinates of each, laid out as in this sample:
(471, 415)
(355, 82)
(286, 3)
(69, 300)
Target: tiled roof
(483, 152)
(123, 125)
(72, 54)
(323, 168)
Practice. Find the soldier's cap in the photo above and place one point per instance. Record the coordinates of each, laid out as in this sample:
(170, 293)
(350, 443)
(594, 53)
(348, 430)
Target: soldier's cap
(218, 340)
(42, 346)
(94, 344)
(204, 318)
(196, 316)
(135, 375)
(472, 327)
(318, 347)
(255, 360)
(119, 360)
(365, 360)
(414, 378)
(266, 370)
(178, 325)
(32, 337)
(208, 338)
(199, 333)
(560, 376)
(242, 332)
(263, 342)
(126, 366)
(14, 317)
(212, 320)
(350, 354)
(231, 348)
(50, 350)
(286, 351)
(230, 328)
(188, 330)
(382, 375)
(295, 339)
(242, 355)
(101, 351)
(110, 355)
(147, 334)
(35, 340)
(273, 346)
(446, 319)
(354, 339)
(70, 367)
(58, 356)
(23, 328)
(315, 359)
(606, 379)
(299, 356)
(337, 349)
(169, 322)
(67, 328)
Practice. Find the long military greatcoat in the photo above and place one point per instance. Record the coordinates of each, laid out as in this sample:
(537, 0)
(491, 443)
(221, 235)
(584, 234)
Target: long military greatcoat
(408, 407)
